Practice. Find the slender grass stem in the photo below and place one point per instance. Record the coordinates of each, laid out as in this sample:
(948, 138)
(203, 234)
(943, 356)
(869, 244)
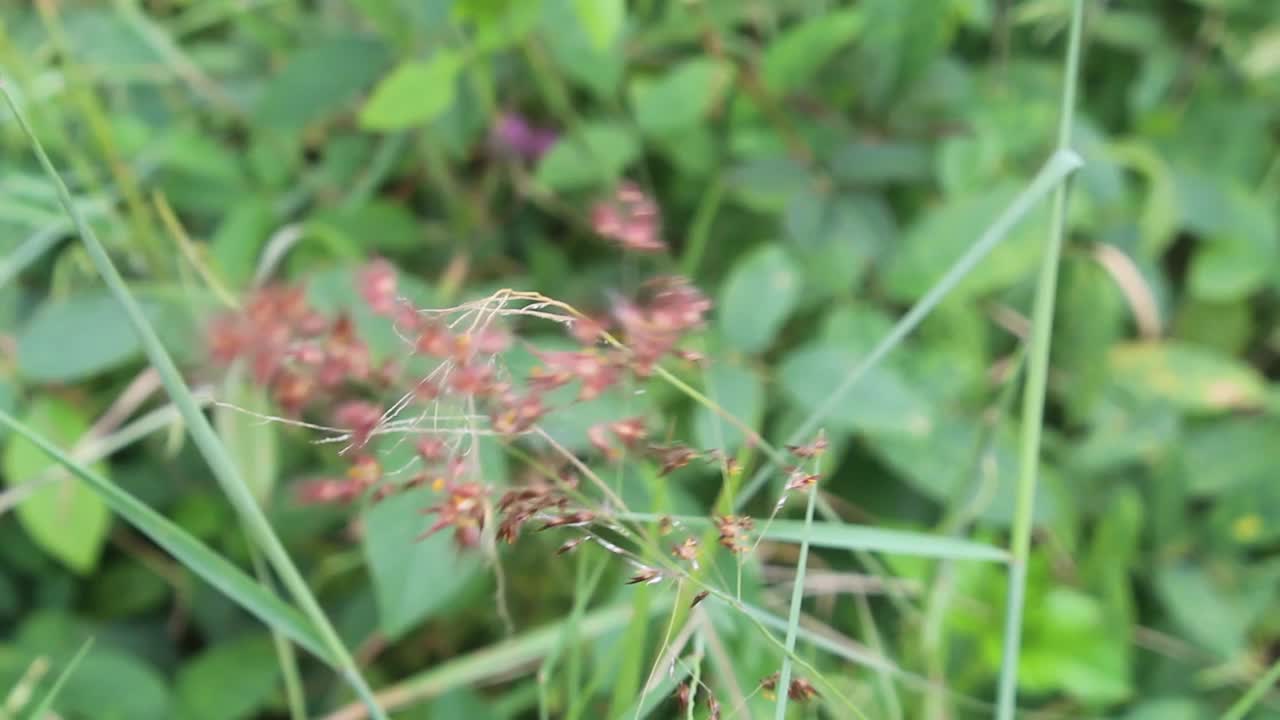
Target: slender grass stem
(1254, 694)
(1034, 390)
(1059, 166)
(793, 621)
(202, 433)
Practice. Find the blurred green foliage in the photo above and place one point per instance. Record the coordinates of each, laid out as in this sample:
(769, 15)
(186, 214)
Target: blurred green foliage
(818, 165)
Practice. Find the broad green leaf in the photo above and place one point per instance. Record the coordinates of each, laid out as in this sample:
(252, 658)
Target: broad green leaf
(943, 233)
(939, 463)
(64, 517)
(396, 229)
(575, 53)
(833, 239)
(757, 297)
(593, 156)
(1169, 709)
(1209, 614)
(412, 578)
(113, 685)
(237, 243)
(320, 80)
(72, 339)
(681, 97)
(1241, 254)
(878, 163)
(767, 183)
(1194, 378)
(1228, 454)
(498, 23)
(740, 393)
(413, 94)
(229, 681)
(127, 588)
(190, 552)
(791, 60)
(41, 707)
(250, 441)
(883, 400)
(602, 19)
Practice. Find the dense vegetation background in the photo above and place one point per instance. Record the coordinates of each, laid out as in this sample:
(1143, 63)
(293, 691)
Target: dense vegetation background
(816, 167)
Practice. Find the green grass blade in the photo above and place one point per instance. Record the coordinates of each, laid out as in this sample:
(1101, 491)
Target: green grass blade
(498, 660)
(839, 536)
(1036, 383)
(1054, 172)
(1240, 710)
(202, 433)
(793, 620)
(42, 708)
(213, 568)
(662, 691)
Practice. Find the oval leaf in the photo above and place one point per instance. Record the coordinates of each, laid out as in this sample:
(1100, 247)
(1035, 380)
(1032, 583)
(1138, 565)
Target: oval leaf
(1191, 377)
(758, 296)
(413, 94)
(602, 19)
(65, 518)
(411, 578)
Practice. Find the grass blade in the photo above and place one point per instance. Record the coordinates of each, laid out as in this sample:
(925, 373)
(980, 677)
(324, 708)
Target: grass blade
(793, 620)
(202, 433)
(1254, 694)
(193, 554)
(1034, 390)
(1059, 166)
(496, 660)
(42, 708)
(840, 536)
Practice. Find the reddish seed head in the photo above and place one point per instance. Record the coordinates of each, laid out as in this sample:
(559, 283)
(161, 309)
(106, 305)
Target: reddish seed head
(801, 480)
(364, 471)
(646, 575)
(474, 380)
(599, 439)
(629, 218)
(377, 283)
(293, 391)
(683, 696)
(734, 532)
(430, 449)
(360, 418)
(434, 339)
(671, 457)
(687, 550)
(630, 431)
(463, 510)
(813, 449)
(801, 690)
(587, 330)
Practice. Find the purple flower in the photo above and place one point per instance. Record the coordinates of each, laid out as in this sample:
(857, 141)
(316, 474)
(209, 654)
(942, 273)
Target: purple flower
(514, 134)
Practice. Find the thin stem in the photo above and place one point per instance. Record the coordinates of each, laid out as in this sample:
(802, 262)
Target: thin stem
(202, 434)
(1060, 165)
(285, 655)
(797, 597)
(1241, 708)
(1034, 393)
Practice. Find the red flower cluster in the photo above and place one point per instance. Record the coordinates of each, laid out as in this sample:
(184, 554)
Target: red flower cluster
(799, 690)
(291, 348)
(630, 218)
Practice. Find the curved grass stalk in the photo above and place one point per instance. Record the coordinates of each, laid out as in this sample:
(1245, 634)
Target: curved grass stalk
(1059, 167)
(202, 433)
(793, 620)
(1036, 382)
